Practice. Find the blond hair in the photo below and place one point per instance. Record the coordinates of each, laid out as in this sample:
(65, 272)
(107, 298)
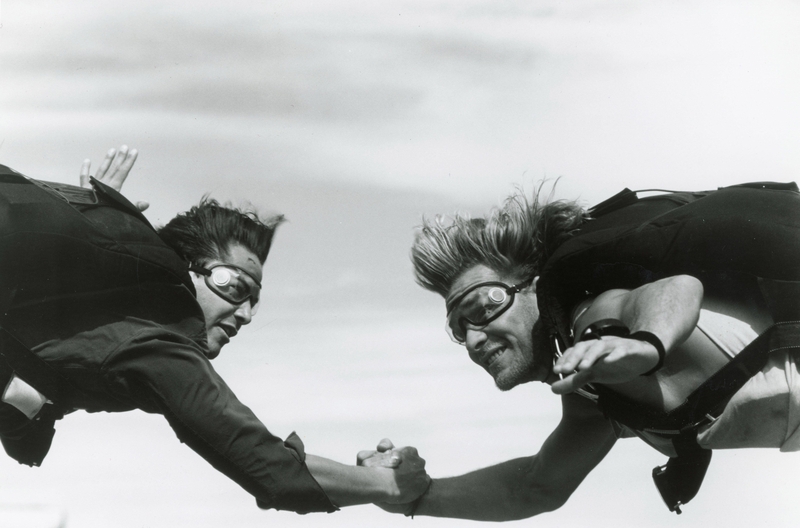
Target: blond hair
(517, 238)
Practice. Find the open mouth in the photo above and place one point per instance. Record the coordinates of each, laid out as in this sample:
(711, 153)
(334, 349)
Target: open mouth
(490, 358)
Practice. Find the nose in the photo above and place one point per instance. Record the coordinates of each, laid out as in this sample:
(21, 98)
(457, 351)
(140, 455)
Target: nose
(244, 313)
(474, 339)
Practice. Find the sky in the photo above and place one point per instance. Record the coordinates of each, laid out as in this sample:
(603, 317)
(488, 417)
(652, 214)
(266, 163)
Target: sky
(355, 119)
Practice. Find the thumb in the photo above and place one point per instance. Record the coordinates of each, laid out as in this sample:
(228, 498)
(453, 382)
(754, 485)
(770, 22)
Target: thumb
(572, 383)
(385, 445)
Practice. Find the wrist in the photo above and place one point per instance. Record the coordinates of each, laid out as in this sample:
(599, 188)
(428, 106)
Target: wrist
(386, 489)
(649, 337)
(414, 506)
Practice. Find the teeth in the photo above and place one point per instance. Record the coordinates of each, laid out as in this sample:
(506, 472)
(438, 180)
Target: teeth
(493, 356)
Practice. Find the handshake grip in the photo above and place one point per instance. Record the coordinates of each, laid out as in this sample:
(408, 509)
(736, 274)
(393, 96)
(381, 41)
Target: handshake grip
(408, 471)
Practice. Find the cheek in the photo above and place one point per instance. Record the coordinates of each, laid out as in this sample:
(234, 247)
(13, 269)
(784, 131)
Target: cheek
(214, 308)
(519, 331)
(473, 356)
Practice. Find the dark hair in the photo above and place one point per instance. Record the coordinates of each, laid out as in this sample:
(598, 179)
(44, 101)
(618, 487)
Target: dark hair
(517, 238)
(208, 230)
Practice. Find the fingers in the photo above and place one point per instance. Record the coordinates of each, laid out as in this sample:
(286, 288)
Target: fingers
(391, 461)
(114, 170)
(119, 158)
(363, 456)
(410, 455)
(385, 445)
(592, 354)
(142, 206)
(372, 459)
(572, 383)
(583, 355)
(123, 163)
(84, 175)
(101, 171)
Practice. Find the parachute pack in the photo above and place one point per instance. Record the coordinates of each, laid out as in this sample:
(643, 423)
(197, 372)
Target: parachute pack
(63, 249)
(745, 234)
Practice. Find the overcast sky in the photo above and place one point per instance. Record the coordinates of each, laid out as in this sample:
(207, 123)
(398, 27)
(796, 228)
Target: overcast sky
(354, 119)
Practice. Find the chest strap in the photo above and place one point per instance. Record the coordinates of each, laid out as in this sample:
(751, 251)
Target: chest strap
(708, 401)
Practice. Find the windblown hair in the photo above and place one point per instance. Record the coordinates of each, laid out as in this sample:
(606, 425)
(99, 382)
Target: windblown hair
(517, 238)
(208, 230)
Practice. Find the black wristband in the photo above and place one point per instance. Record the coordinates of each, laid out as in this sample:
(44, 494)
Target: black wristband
(653, 339)
(415, 505)
(605, 327)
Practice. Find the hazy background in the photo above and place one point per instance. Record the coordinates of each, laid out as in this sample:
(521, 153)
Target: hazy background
(354, 119)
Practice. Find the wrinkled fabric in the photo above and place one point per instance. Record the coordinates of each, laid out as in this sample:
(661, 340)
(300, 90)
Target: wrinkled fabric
(94, 292)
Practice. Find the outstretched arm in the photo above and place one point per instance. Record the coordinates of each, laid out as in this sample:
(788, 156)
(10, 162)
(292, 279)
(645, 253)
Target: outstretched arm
(156, 375)
(524, 487)
(400, 478)
(668, 308)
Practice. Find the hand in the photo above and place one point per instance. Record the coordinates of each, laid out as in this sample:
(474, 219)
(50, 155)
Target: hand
(608, 360)
(383, 456)
(113, 171)
(409, 479)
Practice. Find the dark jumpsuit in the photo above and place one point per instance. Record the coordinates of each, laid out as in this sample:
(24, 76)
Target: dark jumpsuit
(108, 313)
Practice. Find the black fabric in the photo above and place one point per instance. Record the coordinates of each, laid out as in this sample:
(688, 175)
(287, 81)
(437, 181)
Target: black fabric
(739, 232)
(744, 236)
(679, 480)
(748, 233)
(96, 296)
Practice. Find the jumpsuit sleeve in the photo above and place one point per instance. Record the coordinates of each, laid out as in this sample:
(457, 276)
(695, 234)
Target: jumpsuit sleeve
(171, 376)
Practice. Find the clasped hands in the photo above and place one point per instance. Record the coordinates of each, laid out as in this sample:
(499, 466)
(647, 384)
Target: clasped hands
(409, 474)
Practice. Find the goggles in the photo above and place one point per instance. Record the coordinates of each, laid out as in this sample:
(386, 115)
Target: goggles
(480, 305)
(231, 283)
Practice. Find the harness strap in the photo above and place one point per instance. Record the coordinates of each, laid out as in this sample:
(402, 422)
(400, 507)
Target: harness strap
(708, 401)
(679, 480)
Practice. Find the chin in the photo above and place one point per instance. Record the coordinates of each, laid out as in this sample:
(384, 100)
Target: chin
(213, 350)
(510, 378)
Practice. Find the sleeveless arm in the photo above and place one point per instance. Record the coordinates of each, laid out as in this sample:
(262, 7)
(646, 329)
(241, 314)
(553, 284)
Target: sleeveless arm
(668, 308)
(528, 486)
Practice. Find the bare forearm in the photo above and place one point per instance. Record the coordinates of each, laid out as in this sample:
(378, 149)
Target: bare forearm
(668, 308)
(496, 493)
(524, 487)
(350, 485)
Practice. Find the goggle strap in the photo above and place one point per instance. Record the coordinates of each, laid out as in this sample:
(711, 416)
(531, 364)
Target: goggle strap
(200, 269)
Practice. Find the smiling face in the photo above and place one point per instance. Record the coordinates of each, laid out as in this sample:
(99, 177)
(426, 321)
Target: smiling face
(510, 348)
(224, 319)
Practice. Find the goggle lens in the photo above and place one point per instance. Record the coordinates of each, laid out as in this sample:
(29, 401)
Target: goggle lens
(234, 286)
(479, 307)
